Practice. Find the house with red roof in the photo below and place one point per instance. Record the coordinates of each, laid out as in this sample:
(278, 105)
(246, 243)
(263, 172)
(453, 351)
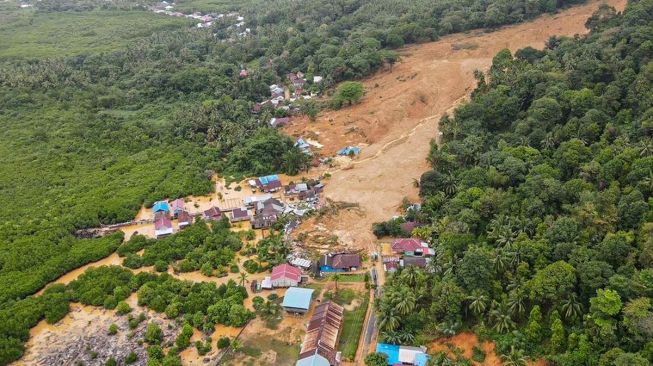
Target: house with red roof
(285, 275)
(411, 247)
(239, 214)
(162, 225)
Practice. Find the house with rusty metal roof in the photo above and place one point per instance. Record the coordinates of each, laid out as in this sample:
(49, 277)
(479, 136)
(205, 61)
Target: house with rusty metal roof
(340, 262)
(321, 340)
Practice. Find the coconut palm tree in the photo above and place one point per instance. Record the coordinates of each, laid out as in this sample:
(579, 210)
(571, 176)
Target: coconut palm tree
(406, 303)
(336, 278)
(517, 303)
(500, 316)
(242, 278)
(571, 307)
(388, 320)
(515, 357)
(478, 302)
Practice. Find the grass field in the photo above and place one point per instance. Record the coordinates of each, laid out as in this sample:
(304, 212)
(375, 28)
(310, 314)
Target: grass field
(351, 331)
(26, 33)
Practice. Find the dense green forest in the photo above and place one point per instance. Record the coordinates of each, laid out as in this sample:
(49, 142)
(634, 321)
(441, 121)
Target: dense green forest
(539, 206)
(106, 107)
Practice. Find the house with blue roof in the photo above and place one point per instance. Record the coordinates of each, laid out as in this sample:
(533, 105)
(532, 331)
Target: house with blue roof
(403, 355)
(297, 300)
(161, 206)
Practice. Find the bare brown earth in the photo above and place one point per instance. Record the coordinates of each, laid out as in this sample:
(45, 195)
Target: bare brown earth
(399, 115)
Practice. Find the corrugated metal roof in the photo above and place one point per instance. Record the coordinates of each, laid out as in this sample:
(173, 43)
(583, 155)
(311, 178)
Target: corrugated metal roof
(323, 331)
(298, 298)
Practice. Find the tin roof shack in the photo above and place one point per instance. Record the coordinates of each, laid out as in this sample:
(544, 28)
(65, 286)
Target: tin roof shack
(184, 219)
(340, 262)
(420, 262)
(297, 300)
(285, 275)
(162, 225)
(322, 335)
(269, 183)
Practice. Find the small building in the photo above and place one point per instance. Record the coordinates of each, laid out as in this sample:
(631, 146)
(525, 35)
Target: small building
(184, 219)
(411, 247)
(162, 225)
(390, 264)
(317, 79)
(177, 206)
(420, 262)
(321, 341)
(285, 275)
(244, 73)
(161, 206)
(403, 355)
(297, 300)
(239, 214)
(212, 214)
(340, 262)
(349, 151)
(266, 284)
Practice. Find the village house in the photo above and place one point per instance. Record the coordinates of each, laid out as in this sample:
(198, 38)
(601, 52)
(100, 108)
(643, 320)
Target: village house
(411, 247)
(212, 214)
(239, 214)
(243, 74)
(269, 183)
(177, 206)
(267, 213)
(322, 336)
(161, 206)
(162, 225)
(297, 300)
(285, 275)
(184, 219)
(340, 262)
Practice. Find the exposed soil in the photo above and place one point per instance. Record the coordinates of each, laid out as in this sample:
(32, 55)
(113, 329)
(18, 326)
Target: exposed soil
(399, 114)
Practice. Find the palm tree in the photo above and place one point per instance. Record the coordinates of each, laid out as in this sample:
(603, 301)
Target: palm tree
(410, 275)
(515, 357)
(478, 302)
(388, 320)
(516, 303)
(571, 307)
(406, 337)
(243, 278)
(336, 277)
(391, 337)
(500, 315)
(406, 303)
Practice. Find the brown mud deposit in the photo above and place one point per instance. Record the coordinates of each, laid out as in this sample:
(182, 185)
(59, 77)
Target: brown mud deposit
(398, 117)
